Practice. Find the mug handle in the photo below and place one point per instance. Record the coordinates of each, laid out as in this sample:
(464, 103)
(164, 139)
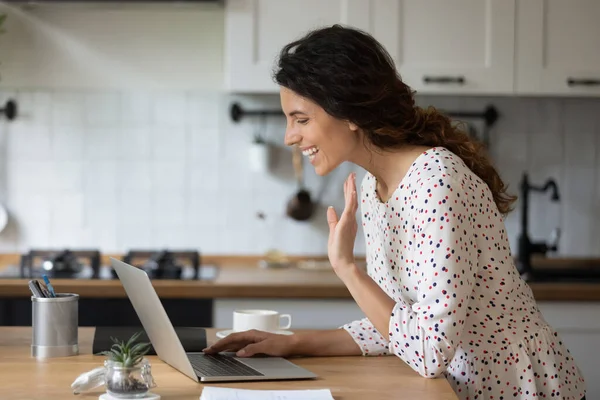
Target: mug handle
(289, 322)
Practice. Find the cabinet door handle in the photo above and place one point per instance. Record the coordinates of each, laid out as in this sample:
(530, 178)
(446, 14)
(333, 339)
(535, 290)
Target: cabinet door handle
(583, 82)
(444, 79)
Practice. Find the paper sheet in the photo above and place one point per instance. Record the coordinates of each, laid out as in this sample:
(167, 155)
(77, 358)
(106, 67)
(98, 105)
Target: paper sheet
(221, 393)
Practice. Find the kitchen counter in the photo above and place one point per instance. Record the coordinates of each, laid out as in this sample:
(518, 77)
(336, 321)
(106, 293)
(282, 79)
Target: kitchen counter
(241, 278)
(232, 281)
(347, 377)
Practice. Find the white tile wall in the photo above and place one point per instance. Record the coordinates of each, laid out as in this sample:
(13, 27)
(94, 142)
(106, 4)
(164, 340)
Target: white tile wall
(548, 137)
(117, 170)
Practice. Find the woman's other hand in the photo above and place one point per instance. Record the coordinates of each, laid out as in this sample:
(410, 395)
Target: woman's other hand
(249, 343)
(342, 231)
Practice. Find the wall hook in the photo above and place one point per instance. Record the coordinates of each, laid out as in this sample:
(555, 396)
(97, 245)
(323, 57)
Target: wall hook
(489, 115)
(10, 110)
(237, 112)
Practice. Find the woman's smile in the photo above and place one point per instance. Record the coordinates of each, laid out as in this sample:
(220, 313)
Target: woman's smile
(311, 152)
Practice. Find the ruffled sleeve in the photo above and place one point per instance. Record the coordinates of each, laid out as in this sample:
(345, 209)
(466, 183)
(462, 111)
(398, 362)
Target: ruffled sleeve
(370, 341)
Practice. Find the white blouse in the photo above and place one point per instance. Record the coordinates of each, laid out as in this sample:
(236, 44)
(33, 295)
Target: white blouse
(439, 248)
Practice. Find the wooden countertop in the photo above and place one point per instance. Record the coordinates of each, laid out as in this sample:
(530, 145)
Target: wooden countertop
(348, 378)
(238, 278)
(231, 282)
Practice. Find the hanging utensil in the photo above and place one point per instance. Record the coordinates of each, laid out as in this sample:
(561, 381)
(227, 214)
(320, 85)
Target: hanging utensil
(3, 218)
(10, 111)
(300, 207)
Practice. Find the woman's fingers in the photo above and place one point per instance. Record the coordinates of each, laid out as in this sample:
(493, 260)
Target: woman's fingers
(252, 349)
(350, 194)
(354, 194)
(346, 191)
(235, 341)
(332, 221)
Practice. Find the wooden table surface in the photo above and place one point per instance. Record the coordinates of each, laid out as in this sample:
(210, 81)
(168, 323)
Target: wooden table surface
(253, 282)
(373, 378)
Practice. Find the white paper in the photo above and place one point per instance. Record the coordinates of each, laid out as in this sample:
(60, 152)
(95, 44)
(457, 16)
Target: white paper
(221, 393)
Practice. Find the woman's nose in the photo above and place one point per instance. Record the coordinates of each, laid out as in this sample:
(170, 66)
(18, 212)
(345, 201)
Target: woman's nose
(291, 138)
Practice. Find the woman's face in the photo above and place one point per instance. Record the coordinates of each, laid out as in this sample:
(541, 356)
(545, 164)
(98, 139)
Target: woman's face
(325, 140)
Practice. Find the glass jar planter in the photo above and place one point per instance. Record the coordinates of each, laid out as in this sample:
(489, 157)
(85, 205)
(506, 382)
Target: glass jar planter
(128, 382)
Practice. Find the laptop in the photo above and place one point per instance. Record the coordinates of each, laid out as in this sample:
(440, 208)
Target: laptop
(196, 365)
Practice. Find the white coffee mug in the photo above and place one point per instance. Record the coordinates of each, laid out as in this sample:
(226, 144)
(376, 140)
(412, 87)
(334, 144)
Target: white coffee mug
(262, 320)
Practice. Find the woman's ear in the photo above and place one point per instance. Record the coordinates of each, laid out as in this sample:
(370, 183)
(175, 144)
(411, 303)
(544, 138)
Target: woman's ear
(353, 127)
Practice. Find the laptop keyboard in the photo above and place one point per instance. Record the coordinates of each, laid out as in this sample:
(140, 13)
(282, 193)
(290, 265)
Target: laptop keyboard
(220, 365)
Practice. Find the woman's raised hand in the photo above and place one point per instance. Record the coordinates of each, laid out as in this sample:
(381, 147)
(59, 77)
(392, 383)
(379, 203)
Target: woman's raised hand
(342, 231)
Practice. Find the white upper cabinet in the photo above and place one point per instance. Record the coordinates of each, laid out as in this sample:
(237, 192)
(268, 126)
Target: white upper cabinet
(558, 47)
(256, 30)
(441, 46)
(487, 47)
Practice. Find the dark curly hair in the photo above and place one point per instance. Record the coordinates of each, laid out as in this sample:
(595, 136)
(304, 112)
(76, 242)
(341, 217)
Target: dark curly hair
(352, 77)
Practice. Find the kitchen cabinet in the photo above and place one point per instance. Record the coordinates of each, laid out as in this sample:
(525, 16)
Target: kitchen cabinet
(449, 47)
(256, 30)
(16, 311)
(463, 46)
(558, 47)
(578, 324)
(492, 47)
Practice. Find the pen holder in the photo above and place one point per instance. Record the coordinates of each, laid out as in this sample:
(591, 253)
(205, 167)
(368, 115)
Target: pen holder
(55, 323)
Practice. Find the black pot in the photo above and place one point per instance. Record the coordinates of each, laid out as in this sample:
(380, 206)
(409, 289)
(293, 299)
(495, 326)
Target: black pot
(300, 207)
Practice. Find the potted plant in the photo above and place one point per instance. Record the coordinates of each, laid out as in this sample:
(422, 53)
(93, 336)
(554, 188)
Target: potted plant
(127, 371)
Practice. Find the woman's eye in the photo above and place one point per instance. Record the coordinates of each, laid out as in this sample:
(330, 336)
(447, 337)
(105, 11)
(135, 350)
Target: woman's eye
(302, 121)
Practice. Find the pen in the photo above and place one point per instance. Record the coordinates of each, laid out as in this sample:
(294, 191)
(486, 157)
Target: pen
(35, 289)
(49, 286)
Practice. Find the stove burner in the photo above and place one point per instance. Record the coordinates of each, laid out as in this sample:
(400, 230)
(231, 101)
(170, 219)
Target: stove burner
(164, 264)
(59, 263)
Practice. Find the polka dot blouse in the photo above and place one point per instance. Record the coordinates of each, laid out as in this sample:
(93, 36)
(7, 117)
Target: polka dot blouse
(438, 247)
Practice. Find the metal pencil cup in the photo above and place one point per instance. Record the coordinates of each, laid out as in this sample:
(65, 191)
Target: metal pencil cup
(55, 323)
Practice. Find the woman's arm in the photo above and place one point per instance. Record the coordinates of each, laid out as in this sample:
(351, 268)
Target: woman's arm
(335, 342)
(371, 299)
(444, 254)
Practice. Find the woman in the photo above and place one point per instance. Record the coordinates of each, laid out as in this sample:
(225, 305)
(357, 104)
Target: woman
(442, 292)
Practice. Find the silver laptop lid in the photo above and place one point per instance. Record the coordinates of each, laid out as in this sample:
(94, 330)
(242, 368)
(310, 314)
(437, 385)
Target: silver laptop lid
(153, 316)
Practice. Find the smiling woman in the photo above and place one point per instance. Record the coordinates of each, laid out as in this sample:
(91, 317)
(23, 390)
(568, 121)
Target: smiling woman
(325, 140)
(441, 290)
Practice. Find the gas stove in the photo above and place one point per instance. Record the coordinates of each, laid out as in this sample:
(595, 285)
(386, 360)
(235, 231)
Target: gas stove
(165, 264)
(86, 264)
(63, 263)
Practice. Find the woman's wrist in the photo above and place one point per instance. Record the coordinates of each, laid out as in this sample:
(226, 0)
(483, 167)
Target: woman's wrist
(370, 297)
(334, 342)
(348, 272)
(297, 344)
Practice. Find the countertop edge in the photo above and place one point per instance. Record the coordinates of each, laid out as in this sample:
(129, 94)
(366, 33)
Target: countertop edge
(17, 288)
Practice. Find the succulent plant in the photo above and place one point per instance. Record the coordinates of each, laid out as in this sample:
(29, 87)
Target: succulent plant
(127, 353)
(127, 374)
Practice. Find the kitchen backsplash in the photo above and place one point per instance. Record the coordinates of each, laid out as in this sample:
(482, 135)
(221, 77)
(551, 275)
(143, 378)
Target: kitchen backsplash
(122, 170)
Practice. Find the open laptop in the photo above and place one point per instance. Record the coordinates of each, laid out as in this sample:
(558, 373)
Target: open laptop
(198, 366)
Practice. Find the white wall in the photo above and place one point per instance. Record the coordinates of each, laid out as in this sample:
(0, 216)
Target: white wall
(117, 170)
(113, 46)
(109, 158)
(124, 141)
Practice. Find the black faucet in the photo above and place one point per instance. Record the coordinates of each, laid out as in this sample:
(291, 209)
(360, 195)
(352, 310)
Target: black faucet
(526, 248)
